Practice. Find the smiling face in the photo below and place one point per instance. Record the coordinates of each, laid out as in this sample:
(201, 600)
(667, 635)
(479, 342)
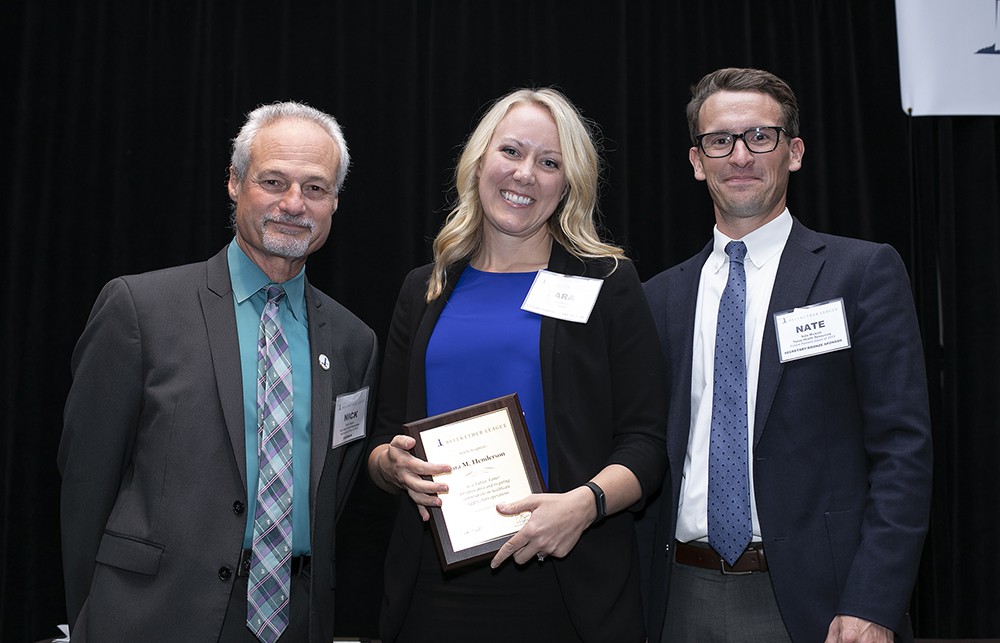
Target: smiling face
(285, 204)
(521, 178)
(748, 189)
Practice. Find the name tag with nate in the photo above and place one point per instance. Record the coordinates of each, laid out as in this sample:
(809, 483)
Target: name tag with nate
(812, 330)
(562, 296)
(349, 417)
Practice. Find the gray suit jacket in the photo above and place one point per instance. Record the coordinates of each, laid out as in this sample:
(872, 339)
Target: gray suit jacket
(153, 456)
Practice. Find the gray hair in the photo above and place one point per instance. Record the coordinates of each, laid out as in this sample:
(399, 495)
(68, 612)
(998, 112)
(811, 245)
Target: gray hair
(267, 114)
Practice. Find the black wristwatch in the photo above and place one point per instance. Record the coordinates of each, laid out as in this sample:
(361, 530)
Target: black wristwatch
(599, 499)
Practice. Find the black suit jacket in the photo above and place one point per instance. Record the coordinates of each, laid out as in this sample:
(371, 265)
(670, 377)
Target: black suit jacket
(153, 456)
(602, 384)
(842, 443)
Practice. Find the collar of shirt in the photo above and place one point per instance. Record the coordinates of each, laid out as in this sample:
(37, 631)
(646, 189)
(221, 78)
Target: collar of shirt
(763, 244)
(248, 279)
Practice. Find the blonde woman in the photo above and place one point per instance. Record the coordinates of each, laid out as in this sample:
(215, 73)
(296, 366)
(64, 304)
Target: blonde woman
(592, 393)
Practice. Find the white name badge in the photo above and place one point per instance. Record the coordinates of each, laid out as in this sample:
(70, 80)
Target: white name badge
(812, 330)
(349, 417)
(562, 296)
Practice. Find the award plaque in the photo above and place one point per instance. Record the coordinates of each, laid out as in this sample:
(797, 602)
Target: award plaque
(492, 461)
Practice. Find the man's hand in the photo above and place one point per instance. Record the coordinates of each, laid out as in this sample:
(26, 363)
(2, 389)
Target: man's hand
(850, 629)
(393, 467)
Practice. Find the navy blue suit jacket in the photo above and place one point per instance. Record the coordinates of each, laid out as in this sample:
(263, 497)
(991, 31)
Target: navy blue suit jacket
(841, 445)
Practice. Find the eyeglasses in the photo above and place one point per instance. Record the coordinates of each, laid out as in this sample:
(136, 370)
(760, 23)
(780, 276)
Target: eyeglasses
(759, 140)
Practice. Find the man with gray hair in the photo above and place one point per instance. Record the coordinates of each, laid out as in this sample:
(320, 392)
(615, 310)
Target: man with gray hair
(216, 419)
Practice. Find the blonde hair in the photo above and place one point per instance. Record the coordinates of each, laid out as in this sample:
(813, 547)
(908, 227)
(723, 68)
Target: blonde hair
(572, 224)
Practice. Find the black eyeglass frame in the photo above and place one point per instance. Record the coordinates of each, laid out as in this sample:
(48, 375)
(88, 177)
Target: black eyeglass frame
(777, 140)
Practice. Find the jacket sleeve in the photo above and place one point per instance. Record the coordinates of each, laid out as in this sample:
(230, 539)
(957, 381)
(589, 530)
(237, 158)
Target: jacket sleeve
(99, 427)
(892, 390)
(638, 382)
(394, 383)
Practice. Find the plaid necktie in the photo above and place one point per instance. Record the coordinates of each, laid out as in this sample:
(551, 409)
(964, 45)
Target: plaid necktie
(270, 564)
(729, 523)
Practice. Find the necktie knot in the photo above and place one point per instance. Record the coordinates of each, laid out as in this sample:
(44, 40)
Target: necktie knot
(737, 251)
(274, 294)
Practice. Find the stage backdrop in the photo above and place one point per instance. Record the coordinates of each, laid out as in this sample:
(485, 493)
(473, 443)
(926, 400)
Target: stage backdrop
(949, 56)
(118, 117)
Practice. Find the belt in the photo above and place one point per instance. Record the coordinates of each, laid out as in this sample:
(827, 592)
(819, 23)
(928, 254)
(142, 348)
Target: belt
(299, 563)
(751, 560)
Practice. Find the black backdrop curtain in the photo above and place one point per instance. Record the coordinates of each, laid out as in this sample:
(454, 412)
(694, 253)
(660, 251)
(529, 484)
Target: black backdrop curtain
(117, 128)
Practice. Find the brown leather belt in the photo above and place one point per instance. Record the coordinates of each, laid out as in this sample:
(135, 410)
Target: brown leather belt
(701, 555)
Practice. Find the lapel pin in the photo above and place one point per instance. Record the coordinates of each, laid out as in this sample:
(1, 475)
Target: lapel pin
(324, 362)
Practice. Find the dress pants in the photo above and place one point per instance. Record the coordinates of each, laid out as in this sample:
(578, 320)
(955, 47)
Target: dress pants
(707, 606)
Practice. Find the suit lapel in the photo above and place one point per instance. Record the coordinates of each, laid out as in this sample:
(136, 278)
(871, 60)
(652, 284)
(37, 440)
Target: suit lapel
(323, 381)
(561, 261)
(564, 263)
(223, 342)
(417, 399)
(797, 271)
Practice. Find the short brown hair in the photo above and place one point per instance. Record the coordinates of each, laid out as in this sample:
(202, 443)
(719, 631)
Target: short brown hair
(736, 79)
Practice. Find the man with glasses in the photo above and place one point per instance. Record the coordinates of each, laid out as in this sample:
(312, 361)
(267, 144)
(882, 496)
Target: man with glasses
(799, 433)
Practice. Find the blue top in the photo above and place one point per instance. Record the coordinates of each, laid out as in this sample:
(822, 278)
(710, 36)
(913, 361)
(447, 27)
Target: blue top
(484, 346)
(249, 294)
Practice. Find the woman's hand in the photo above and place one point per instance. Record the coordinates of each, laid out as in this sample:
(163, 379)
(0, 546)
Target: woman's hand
(558, 519)
(394, 468)
(556, 523)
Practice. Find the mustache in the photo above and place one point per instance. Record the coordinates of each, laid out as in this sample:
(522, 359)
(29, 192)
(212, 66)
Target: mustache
(287, 219)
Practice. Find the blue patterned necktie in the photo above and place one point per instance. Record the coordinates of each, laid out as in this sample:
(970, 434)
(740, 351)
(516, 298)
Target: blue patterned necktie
(729, 523)
(270, 564)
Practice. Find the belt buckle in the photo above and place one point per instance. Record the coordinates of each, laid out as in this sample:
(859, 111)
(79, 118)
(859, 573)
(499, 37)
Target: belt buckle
(730, 572)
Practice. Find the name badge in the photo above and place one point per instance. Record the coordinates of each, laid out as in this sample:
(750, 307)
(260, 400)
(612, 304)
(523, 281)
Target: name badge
(349, 417)
(562, 296)
(812, 330)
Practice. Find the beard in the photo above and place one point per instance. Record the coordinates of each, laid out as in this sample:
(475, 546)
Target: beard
(283, 245)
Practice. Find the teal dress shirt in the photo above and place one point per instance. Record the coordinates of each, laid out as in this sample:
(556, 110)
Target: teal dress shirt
(249, 288)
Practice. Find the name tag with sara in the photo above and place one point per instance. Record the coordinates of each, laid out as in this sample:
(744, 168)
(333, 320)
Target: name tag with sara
(562, 296)
(812, 330)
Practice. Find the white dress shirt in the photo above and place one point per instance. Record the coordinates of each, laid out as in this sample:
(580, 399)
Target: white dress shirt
(764, 246)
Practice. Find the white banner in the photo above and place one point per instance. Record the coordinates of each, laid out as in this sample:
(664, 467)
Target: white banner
(949, 56)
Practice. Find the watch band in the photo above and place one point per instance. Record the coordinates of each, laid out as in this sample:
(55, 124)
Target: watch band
(599, 499)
